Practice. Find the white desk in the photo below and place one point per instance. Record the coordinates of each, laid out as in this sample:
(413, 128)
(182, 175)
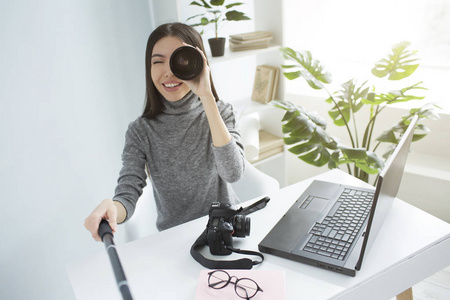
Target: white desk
(161, 267)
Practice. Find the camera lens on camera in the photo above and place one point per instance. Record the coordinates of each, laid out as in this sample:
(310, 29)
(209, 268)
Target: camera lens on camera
(186, 63)
(241, 226)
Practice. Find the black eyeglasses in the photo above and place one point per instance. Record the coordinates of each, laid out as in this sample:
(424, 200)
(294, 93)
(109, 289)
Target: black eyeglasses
(245, 288)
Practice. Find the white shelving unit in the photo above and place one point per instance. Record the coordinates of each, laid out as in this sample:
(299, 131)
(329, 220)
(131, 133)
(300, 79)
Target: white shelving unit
(230, 55)
(267, 16)
(234, 72)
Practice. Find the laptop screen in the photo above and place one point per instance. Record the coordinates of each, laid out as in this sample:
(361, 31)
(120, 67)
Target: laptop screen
(387, 188)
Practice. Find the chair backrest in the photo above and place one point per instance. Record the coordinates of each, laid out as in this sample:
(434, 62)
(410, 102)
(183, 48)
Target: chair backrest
(252, 184)
(143, 221)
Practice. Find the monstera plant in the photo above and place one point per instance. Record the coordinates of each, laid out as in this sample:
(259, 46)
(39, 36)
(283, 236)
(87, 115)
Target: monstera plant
(305, 133)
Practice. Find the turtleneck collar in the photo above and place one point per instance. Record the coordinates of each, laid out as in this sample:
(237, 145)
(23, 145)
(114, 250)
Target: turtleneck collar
(182, 106)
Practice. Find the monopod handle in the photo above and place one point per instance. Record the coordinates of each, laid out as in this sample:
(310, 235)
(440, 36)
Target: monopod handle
(104, 229)
(105, 232)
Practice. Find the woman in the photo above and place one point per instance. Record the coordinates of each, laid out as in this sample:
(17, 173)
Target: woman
(186, 136)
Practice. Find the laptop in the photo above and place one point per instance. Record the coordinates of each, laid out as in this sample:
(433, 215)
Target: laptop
(332, 225)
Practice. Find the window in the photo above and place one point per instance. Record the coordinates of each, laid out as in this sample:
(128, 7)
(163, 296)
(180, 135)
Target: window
(349, 36)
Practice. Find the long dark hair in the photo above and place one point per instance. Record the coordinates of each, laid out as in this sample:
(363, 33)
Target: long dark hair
(185, 33)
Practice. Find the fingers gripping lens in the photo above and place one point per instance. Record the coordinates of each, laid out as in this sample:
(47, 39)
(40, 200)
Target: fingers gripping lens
(186, 63)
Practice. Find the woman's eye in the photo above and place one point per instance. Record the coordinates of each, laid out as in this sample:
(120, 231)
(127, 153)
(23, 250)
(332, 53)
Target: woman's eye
(157, 62)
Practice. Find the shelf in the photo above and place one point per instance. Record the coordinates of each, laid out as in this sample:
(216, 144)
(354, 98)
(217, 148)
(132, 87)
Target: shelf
(241, 65)
(229, 55)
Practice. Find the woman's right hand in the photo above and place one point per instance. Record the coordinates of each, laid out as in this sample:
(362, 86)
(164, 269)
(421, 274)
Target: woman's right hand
(105, 210)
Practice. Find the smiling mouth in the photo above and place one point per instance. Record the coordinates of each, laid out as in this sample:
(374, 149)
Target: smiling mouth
(171, 85)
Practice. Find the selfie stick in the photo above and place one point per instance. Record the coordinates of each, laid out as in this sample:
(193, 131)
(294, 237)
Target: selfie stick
(105, 232)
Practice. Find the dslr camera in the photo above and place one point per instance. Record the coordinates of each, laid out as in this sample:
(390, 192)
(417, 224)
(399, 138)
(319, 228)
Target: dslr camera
(224, 223)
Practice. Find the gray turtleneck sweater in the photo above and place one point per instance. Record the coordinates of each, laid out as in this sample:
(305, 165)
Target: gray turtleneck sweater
(187, 172)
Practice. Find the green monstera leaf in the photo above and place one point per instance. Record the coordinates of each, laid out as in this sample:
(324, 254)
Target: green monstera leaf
(394, 96)
(393, 134)
(363, 159)
(348, 101)
(400, 64)
(306, 66)
(306, 135)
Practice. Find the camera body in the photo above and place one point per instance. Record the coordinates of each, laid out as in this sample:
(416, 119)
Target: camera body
(224, 223)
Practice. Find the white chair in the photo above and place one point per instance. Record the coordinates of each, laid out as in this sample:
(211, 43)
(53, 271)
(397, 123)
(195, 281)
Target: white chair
(143, 221)
(252, 184)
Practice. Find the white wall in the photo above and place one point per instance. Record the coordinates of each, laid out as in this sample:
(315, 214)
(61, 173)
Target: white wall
(72, 78)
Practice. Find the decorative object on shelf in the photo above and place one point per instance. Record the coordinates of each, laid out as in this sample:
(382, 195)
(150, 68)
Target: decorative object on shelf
(217, 12)
(265, 84)
(306, 135)
(250, 40)
(217, 46)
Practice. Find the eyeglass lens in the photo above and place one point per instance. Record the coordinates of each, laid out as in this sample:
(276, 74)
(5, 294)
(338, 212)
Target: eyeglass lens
(218, 279)
(244, 287)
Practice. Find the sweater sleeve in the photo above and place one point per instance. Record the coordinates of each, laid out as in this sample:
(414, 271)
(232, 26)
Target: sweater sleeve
(132, 176)
(230, 157)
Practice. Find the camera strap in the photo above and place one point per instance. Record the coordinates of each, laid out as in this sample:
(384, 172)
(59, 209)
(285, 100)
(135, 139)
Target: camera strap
(243, 263)
(260, 204)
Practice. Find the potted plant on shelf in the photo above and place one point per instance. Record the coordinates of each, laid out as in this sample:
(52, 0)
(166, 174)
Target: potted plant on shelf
(217, 12)
(306, 134)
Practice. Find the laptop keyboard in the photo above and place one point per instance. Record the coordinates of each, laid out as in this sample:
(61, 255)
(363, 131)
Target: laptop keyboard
(333, 237)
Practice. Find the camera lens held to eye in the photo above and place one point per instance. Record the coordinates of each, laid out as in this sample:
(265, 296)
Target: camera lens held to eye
(186, 63)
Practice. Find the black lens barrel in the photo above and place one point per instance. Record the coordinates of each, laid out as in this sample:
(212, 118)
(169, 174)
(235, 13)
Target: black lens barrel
(186, 63)
(241, 226)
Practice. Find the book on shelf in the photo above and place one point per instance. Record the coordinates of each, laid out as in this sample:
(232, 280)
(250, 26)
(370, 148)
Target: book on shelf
(251, 35)
(265, 84)
(268, 141)
(265, 40)
(272, 282)
(250, 40)
(269, 145)
(243, 47)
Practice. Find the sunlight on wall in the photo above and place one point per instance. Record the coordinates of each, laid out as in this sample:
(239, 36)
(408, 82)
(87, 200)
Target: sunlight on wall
(349, 36)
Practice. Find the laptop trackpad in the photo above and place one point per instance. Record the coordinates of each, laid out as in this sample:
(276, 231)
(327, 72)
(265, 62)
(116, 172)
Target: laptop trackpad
(314, 203)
